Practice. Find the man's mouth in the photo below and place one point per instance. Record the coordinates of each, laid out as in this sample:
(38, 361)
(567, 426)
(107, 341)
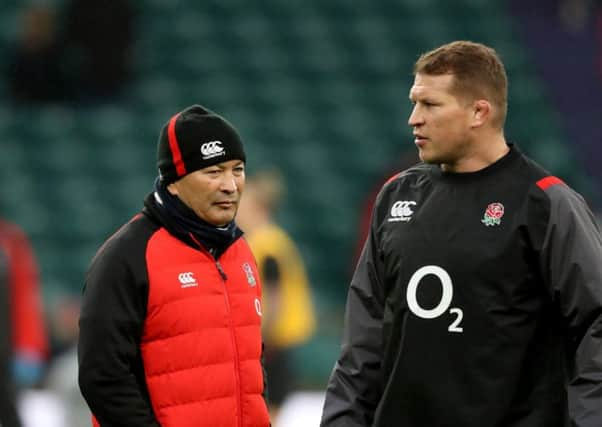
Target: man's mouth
(419, 139)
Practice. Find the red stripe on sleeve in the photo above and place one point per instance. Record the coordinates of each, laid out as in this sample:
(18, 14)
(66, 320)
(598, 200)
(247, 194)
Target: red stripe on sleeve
(549, 181)
(175, 148)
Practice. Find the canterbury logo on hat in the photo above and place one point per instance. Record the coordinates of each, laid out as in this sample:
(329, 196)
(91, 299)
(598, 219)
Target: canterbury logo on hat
(196, 128)
(212, 149)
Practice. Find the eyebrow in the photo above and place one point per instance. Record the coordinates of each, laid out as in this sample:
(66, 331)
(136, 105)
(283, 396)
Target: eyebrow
(411, 92)
(222, 167)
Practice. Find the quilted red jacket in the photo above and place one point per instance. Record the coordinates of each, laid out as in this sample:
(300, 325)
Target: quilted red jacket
(176, 339)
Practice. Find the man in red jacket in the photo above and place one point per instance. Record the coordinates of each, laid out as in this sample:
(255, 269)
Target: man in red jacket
(170, 326)
(23, 339)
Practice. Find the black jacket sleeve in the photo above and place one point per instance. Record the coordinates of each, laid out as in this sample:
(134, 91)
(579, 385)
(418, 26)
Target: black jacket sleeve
(111, 376)
(571, 260)
(355, 384)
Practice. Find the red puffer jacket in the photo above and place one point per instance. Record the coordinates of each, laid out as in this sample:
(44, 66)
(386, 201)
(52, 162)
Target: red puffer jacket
(170, 336)
(201, 344)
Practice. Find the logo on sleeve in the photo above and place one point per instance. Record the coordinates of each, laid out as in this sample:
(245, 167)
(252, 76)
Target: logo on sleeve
(402, 211)
(187, 279)
(249, 272)
(493, 214)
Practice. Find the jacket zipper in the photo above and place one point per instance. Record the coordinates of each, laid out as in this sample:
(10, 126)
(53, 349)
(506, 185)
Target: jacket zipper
(224, 277)
(222, 273)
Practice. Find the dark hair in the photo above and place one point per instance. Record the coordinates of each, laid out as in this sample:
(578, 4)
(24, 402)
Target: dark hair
(477, 69)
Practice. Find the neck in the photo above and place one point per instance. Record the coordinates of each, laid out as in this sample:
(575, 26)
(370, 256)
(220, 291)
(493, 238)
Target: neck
(183, 223)
(486, 151)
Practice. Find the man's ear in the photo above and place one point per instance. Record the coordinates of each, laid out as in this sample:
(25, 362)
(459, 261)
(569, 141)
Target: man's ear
(481, 112)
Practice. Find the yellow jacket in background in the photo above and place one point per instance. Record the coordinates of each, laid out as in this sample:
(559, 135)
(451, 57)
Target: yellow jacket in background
(296, 321)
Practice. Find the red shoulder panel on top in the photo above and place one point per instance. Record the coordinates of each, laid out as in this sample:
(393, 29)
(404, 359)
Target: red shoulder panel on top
(549, 181)
(392, 178)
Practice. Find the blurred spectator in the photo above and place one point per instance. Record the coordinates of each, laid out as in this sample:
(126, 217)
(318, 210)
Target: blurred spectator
(34, 73)
(98, 38)
(23, 340)
(288, 313)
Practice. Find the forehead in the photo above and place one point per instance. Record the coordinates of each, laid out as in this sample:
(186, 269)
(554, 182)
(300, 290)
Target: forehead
(202, 174)
(431, 85)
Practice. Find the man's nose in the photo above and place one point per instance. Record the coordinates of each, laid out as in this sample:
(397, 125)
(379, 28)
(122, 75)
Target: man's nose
(415, 118)
(229, 183)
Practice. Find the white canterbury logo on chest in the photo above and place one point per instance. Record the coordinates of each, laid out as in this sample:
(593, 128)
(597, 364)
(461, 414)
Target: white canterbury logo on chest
(402, 211)
(187, 279)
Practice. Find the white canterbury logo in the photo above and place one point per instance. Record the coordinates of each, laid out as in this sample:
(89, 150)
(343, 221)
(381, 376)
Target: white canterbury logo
(212, 149)
(402, 211)
(187, 279)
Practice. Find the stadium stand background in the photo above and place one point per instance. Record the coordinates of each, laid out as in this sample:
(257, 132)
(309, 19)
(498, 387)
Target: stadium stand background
(318, 88)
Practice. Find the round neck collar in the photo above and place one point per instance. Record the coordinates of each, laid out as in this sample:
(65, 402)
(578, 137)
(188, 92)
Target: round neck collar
(512, 154)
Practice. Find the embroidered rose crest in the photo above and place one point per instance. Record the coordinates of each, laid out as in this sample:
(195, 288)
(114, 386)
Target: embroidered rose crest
(493, 214)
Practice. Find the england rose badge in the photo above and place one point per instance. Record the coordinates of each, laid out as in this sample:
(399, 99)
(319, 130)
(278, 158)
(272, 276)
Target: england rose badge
(493, 214)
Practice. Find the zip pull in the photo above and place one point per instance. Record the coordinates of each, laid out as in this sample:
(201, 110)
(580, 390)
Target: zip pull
(221, 270)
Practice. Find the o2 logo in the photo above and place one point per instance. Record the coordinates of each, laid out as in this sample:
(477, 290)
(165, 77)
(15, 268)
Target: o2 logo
(444, 303)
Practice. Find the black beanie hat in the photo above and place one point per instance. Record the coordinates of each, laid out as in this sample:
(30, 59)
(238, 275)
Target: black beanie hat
(194, 139)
